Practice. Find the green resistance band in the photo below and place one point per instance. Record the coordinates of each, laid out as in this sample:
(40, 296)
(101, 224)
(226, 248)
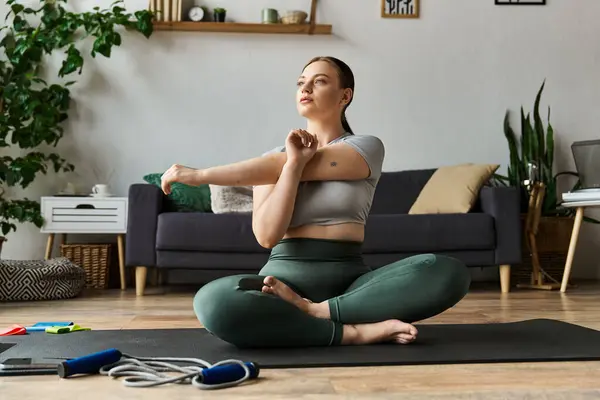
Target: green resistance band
(66, 329)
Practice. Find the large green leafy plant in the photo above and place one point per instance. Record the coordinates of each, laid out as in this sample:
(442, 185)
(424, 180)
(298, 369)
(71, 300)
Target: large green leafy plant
(33, 110)
(535, 147)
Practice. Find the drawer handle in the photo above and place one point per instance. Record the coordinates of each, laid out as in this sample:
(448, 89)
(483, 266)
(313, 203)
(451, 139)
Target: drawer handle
(86, 206)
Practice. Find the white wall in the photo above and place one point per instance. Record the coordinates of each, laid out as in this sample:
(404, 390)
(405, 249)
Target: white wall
(434, 90)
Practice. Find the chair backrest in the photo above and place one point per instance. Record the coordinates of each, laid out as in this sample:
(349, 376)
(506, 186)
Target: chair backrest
(397, 191)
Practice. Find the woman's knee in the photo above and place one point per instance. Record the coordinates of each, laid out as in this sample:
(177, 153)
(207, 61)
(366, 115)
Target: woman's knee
(452, 272)
(445, 282)
(218, 305)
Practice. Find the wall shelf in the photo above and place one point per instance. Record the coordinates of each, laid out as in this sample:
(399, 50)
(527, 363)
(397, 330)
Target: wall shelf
(238, 27)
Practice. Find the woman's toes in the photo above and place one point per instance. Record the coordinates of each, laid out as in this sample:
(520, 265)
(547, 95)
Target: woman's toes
(267, 289)
(269, 281)
(406, 338)
(278, 288)
(406, 328)
(274, 285)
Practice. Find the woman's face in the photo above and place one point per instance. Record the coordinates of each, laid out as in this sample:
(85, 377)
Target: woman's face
(319, 94)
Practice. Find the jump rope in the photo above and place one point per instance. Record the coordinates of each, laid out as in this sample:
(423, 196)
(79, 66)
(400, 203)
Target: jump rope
(151, 371)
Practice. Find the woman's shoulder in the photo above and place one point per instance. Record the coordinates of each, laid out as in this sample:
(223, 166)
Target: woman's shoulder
(368, 143)
(364, 138)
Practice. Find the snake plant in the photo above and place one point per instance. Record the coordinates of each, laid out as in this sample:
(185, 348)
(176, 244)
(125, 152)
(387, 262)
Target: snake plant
(536, 147)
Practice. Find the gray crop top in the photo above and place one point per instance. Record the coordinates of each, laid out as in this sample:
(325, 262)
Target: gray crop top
(336, 202)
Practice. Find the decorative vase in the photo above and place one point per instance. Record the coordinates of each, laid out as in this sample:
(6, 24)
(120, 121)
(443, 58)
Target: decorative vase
(220, 16)
(270, 16)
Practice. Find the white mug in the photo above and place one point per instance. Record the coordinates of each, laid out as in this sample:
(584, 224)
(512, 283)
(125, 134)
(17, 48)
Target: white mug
(100, 190)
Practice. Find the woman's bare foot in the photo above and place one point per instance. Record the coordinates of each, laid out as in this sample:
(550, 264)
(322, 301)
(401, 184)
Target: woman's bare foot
(392, 330)
(278, 288)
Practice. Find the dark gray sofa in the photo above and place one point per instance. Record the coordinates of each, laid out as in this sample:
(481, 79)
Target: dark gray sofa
(215, 245)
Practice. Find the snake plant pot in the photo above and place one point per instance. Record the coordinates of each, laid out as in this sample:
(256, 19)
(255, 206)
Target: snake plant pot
(552, 242)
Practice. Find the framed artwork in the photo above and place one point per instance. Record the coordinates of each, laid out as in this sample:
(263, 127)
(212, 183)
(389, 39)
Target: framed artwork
(520, 2)
(400, 8)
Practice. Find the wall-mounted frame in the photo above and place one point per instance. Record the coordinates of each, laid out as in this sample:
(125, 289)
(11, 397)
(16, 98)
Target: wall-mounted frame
(520, 2)
(400, 8)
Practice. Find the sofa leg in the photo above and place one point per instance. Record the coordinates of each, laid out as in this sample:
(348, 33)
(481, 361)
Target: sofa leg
(505, 278)
(140, 280)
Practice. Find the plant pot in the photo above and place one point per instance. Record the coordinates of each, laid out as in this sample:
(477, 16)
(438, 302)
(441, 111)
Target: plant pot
(2, 239)
(553, 239)
(220, 16)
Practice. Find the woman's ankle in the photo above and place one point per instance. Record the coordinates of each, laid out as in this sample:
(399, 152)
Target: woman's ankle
(319, 310)
(350, 334)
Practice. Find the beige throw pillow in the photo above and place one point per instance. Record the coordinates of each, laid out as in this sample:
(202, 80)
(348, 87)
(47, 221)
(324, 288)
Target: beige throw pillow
(453, 189)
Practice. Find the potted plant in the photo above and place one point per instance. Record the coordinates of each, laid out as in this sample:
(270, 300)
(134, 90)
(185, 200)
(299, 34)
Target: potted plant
(32, 109)
(536, 147)
(219, 14)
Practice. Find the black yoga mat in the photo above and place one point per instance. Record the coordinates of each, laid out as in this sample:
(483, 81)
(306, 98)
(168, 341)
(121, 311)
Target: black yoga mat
(524, 341)
(5, 346)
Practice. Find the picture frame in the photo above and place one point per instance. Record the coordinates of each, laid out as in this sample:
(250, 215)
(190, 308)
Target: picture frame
(520, 2)
(400, 8)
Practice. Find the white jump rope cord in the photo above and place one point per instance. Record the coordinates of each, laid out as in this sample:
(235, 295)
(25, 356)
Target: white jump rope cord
(147, 371)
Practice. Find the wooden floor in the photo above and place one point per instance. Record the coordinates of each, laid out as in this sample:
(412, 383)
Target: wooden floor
(171, 308)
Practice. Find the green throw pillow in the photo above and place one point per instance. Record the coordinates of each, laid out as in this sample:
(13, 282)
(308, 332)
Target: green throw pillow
(184, 197)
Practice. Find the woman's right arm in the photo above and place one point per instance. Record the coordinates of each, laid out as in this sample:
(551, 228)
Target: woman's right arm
(273, 205)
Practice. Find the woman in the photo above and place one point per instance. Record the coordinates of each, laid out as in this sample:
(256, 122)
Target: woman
(312, 198)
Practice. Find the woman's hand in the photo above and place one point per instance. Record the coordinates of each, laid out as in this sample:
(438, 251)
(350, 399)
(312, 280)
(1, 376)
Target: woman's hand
(300, 146)
(177, 173)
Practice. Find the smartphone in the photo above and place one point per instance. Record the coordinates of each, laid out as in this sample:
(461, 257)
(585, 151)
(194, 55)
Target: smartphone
(24, 366)
(251, 284)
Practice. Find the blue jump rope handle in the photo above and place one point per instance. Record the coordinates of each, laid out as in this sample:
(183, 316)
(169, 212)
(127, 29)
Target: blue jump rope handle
(92, 363)
(228, 373)
(89, 364)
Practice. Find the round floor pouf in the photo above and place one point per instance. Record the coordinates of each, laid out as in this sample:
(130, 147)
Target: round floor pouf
(53, 279)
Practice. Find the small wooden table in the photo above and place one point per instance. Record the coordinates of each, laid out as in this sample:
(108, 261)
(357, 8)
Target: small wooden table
(84, 215)
(580, 207)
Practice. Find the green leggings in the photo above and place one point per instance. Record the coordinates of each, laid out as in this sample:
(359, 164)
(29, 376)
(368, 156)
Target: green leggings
(410, 290)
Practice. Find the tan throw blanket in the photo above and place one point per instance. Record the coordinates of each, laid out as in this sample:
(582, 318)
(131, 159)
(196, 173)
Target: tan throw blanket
(230, 199)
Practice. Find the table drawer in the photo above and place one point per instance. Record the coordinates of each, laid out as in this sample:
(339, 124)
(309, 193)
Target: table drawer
(84, 215)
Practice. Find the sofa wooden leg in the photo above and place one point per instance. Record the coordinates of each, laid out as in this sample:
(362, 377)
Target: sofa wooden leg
(140, 280)
(505, 278)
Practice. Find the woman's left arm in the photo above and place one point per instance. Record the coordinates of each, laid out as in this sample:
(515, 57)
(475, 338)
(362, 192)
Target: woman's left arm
(253, 172)
(357, 158)
(352, 160)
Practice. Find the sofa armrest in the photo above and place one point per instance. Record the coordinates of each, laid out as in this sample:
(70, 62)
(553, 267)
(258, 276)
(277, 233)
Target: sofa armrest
(146, 202)
(503, 203)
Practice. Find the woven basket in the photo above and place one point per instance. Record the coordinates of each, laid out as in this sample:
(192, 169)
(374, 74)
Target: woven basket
(553, 262)
(553, 239)
(294, 17)
(93, 258)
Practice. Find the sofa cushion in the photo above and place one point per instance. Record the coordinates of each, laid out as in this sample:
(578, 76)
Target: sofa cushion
(183, 198)
(197, 231)
(429, 233)
(397, 191)
(453, 189)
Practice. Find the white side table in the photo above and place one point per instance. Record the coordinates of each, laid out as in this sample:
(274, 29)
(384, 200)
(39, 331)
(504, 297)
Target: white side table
(95, 215)
(580, 207)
